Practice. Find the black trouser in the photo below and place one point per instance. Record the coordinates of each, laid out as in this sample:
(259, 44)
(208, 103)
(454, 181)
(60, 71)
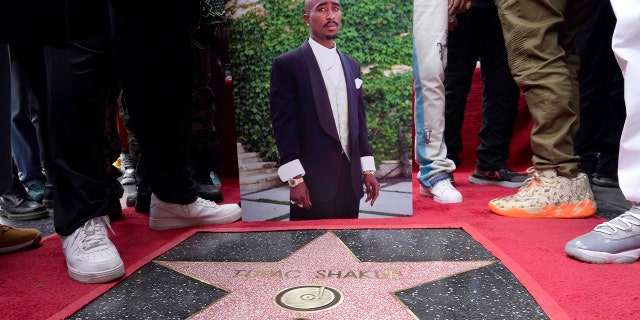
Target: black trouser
(478, 36)
(74, 129)
(602, 107)
(156, 68)
(345, 205)
(155, 71)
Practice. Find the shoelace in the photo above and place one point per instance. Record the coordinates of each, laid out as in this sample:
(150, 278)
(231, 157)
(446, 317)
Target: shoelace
(530, 184)
(20, 194)
(92, 233)
(627, 220)
(205, 202)
(445, 185)
(127, 162)
(199, 202)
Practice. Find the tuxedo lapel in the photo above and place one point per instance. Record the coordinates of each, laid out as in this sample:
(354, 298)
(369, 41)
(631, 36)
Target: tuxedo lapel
(352, 96)
(320, 95)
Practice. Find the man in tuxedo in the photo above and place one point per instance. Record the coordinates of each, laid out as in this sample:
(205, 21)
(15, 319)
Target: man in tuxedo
(318, 116)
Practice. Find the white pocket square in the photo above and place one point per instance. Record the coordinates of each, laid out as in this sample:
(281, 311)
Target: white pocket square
(358, 83)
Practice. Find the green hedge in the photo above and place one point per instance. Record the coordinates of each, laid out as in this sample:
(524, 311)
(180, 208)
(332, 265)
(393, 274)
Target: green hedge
(375, 33)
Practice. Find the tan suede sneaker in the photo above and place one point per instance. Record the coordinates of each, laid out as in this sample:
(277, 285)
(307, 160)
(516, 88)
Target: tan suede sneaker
(547, 195)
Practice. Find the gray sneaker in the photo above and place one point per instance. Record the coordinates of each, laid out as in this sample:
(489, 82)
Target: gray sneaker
(615, 241)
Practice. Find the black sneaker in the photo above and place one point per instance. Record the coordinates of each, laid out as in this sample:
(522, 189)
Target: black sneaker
(603, 181)
(503, 177)
(17, 204)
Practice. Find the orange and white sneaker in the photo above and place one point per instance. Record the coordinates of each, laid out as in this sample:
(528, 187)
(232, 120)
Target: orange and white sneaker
(547, 195)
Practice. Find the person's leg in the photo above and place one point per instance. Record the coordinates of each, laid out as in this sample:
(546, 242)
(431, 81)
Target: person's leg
(159, 100)
(607, 168)
(618, 240)
(463, 45)
(499, 100)
(535, 32)
(76, 74)
(539, 36)
(31, 61)
(203, 132)
(6, 173)
(24, 136)
(11, 239)
(601, 99)
(17, 204)
(593, 45)
(626, 46)
(429, 60)
(76, 77)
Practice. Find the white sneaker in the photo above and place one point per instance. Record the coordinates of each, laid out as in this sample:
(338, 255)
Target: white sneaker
(164, 215)
(91, 256)
(442, 192)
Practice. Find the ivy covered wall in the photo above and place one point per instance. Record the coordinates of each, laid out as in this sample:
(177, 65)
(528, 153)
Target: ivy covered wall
(375, 33)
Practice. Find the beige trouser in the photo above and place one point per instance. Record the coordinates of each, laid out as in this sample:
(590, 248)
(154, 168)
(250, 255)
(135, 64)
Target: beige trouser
(539, 38)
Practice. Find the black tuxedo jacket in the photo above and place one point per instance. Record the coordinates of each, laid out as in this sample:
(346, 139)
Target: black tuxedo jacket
(303, 121)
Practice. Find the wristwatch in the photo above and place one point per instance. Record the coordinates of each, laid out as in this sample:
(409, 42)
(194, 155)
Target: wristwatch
(295, 181)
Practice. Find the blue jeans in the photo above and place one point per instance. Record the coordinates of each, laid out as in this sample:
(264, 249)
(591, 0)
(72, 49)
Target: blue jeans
(5, 110)
(25, 128)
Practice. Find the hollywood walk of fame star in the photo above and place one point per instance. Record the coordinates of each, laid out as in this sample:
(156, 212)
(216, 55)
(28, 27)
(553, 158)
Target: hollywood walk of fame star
(324, 271)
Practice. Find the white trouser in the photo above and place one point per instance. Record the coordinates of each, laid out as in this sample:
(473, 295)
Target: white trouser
(430, 22)
(626, 46)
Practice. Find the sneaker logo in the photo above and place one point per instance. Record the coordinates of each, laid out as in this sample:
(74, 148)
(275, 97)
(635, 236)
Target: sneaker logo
(490, 174)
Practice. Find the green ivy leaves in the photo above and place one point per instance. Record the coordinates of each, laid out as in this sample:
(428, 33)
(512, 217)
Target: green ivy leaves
(376, 33)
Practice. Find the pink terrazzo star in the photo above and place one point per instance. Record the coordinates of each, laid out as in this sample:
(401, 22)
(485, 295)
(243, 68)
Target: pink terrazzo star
(366, 287)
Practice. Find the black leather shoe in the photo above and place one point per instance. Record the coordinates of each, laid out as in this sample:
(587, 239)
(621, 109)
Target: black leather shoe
(17, 204)
(206, 190)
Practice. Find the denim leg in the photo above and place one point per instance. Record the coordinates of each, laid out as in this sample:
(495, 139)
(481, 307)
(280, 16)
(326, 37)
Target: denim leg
(6, 173)
(429, 61)
(24, 120)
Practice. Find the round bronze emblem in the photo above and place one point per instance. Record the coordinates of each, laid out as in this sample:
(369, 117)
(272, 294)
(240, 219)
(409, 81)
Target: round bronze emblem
(308, 298)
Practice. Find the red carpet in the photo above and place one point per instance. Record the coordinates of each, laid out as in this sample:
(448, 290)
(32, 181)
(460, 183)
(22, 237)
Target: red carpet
(36, 286)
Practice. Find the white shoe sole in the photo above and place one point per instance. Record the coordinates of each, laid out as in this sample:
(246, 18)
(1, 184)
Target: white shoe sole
(176, 223)
(128, 180)
(603, 257)
(427, 193)
(97, 277)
